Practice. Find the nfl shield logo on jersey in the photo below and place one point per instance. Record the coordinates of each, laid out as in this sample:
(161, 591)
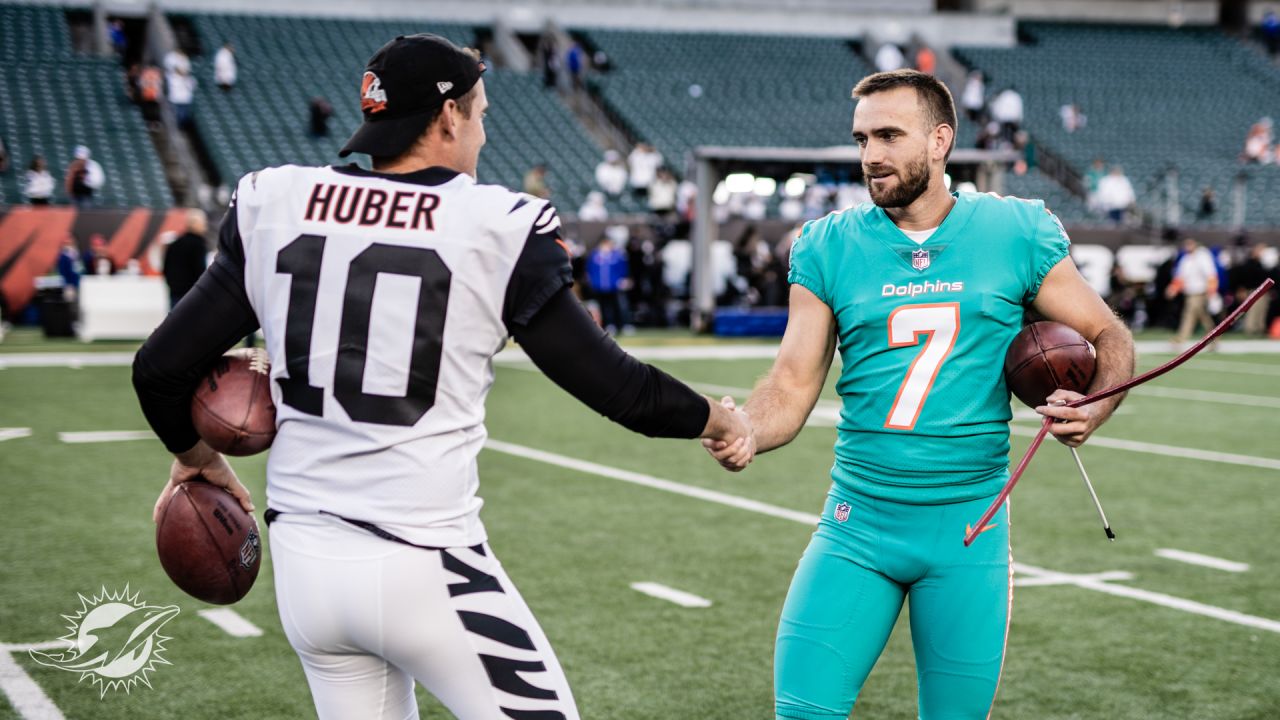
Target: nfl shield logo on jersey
(920, 259)
(842, 512)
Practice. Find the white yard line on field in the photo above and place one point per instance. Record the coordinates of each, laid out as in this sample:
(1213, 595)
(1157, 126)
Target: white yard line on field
(230, 622)
(72, 360)
(14, 433)
(99, 436)
(1030, 579)
(1209, 396)
(1167, 450)
(670, 594)
(24, 694)
(1087, 582)
(1241, 368)
(1208, 561)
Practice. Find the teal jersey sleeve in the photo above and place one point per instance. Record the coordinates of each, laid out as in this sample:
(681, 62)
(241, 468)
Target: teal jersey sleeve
(1049, 245)
(806, 260)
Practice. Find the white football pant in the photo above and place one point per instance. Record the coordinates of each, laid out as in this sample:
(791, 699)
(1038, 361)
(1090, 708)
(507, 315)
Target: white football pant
(368, 616)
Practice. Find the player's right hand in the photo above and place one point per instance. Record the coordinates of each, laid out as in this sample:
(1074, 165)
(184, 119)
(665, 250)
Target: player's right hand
(203, 463)
(735, 449)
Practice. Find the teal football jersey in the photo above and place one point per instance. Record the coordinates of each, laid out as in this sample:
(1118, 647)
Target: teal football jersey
(922, 331)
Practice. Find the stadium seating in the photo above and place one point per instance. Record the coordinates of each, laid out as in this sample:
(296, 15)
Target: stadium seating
(52, 99)
(681, 90)
(1155, 98)
(285, 61)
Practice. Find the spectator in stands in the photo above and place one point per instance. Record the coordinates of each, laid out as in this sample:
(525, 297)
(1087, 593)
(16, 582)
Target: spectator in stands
(974, 96)
(1208, 204)
(643, 164)
(600, 61)
(186, 257)
(1115, 194)
(575, 61)
(607, 273)
(83, 179)
(535, 182)
(37, 183)
(889, 57)
(662, 193)
(593, 208)
(1245, 278)
(549, 57)
(926, 60)
(1006, 109)
(119, 41)
(70, 267)
(224, 67)
(1271, 33)
(1072, 117)
(4, 157)
(175, 60)
(989, 136)
(182, 91)
(150, 93)
(611, 173)
(1257, 144)
(1195, 277)
(319, 111)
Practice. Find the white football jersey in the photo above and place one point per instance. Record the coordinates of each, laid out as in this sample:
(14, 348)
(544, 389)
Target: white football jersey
(383, 300)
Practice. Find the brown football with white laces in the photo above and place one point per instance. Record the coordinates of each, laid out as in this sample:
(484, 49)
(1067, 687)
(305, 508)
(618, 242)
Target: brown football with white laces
(1047, 356)
(232, 407)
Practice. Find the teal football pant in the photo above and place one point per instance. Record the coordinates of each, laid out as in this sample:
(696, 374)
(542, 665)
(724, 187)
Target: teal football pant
(866, 556)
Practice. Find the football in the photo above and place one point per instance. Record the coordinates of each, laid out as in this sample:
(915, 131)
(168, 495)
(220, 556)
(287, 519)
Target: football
(1046, 356)
(208, 545)
(232, 408)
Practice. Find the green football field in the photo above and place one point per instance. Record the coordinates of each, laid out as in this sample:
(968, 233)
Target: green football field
(579, 510)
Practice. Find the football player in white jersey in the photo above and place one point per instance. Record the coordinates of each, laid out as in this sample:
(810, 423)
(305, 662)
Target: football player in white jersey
(382, 296)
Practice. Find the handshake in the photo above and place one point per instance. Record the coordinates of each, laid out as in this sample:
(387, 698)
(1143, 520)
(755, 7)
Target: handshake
(729, 437)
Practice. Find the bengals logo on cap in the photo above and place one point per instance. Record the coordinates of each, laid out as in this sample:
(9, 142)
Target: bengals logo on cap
(372, 97)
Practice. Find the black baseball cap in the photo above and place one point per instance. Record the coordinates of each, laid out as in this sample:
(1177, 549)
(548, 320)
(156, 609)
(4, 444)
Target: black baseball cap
(405, 83)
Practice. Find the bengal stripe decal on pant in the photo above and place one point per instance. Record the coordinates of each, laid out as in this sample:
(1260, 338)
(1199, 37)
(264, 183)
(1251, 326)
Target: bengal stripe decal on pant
(477, 580)
(496, 629)
(504, 673)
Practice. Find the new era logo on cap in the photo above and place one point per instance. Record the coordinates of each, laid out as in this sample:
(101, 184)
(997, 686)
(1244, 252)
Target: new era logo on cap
(444, 87)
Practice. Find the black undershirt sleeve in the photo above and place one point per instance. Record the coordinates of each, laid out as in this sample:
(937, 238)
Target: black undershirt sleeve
(566, 345)
(209, 320)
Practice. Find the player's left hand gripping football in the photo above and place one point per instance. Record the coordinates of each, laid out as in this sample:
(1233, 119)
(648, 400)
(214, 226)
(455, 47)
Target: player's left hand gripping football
(1074, 425)
(203, 463)
(735, 449)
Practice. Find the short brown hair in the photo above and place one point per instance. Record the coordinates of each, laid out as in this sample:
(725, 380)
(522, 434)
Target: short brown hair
(933, 95)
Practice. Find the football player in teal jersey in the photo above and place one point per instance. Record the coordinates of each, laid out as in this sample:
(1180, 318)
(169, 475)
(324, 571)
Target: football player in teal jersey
(921, 291)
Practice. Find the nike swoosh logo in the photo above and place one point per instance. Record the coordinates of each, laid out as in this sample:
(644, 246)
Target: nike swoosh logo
(969, 528)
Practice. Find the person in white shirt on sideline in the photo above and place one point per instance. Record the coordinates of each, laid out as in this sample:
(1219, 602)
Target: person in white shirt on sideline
(1196, 279)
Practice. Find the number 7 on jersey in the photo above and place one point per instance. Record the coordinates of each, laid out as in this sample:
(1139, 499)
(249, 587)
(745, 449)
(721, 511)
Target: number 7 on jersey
(939, 323)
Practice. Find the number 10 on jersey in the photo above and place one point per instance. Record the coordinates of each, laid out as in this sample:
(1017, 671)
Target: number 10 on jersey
(939, 323)
(301, 260)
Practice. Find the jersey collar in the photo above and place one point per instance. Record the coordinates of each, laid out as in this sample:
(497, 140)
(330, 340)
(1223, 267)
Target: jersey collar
(432, 176)
(903, 247)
